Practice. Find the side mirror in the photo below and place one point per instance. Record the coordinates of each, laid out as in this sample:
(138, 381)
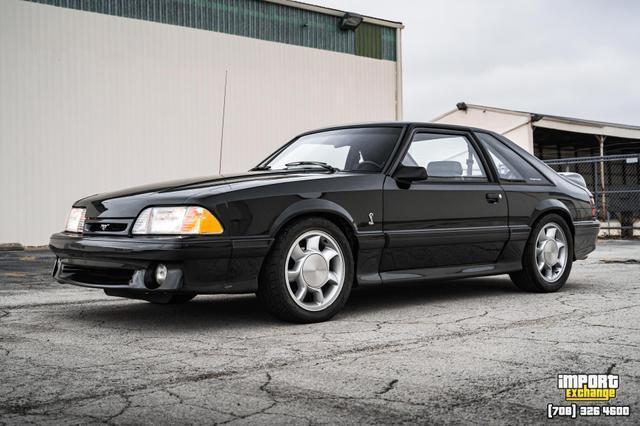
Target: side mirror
(404, 175)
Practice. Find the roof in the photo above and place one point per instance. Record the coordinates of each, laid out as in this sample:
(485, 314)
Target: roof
(569, 124)
(336, 12)
(424, 124)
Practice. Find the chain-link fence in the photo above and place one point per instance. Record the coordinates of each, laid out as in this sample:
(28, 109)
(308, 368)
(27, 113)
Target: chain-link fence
(614, 181)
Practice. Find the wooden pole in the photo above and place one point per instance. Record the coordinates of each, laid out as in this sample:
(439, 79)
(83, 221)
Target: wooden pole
(603, 203)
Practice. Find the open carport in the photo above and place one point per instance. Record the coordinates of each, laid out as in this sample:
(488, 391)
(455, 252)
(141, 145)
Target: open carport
(606, 154)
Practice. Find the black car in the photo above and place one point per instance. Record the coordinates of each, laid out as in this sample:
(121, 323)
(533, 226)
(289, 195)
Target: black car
(347, 206)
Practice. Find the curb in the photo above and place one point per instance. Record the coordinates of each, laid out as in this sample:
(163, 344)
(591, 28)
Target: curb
(11, 247)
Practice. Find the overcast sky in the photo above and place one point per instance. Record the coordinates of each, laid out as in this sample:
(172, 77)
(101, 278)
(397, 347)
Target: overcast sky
(578, 58)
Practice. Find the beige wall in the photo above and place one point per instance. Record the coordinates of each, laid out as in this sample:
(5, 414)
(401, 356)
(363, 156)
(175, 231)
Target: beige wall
(91, 103)
(516, 127)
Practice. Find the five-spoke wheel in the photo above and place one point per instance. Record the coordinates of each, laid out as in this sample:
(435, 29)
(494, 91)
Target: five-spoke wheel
(551, 252)
(314, 270)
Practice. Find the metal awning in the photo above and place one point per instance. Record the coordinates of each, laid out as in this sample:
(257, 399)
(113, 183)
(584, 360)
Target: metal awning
(568, 124)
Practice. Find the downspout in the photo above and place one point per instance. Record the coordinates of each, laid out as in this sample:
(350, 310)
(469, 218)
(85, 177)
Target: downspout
(224, 108)
(399, 74)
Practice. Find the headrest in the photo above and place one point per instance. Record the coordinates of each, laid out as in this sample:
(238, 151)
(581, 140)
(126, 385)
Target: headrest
(444, 169)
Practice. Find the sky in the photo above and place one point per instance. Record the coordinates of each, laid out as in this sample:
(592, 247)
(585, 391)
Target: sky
(577, 58)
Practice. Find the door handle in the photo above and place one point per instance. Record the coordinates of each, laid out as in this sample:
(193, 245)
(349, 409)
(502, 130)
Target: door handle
(494, 197)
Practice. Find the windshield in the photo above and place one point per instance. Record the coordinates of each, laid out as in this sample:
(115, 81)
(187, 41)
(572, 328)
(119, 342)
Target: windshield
(364, 149)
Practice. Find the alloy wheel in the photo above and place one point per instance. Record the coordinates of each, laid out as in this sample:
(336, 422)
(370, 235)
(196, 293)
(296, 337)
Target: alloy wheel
(314, 270)
(551, 252)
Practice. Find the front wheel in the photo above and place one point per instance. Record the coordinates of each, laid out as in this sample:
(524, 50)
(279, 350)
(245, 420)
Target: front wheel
(308, 274)
(548, 256)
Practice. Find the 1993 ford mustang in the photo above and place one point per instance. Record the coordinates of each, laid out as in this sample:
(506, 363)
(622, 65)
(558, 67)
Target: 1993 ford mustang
(334, 208)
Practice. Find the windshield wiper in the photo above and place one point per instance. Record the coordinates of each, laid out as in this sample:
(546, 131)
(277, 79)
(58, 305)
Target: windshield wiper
(312, 163)
(258, 168)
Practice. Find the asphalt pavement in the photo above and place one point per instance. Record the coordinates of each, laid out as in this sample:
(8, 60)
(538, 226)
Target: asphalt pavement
(472, 351)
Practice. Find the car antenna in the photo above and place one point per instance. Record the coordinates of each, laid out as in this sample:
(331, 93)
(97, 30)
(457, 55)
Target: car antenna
(224, 107)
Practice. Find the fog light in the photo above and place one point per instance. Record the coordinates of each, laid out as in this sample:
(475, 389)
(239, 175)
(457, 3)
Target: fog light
(161, 274)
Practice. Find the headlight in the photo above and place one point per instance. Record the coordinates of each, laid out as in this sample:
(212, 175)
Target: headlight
(75, 220)
(177, 220)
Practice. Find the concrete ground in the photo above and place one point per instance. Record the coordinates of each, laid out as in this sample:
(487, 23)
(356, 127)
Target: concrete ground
(472, 351)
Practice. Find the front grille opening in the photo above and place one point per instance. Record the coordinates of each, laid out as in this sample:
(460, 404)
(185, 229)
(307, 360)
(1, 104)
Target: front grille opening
(97, 275)
(105, 227)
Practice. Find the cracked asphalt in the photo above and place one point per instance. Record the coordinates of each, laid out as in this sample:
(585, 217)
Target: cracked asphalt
(472, 351)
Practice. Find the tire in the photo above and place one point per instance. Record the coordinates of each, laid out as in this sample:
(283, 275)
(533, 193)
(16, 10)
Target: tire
(291, 281)
(550, 278)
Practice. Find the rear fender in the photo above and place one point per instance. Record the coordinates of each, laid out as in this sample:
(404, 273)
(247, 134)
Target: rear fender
(551, 205)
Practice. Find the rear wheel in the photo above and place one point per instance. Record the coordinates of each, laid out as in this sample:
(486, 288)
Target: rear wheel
(308, 274)
(547, 258)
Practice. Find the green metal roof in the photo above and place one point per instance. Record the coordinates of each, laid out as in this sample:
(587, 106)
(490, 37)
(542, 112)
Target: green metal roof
(251, 18)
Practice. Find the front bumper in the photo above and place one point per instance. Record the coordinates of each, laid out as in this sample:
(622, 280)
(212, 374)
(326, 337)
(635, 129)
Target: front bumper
(196, 264)
(586, 235)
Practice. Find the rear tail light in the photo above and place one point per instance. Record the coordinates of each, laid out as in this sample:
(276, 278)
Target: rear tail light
(593, 207)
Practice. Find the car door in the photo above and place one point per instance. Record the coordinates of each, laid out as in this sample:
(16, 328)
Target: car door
(457, 216)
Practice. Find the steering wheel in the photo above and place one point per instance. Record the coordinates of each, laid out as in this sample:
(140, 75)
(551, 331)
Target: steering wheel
(368, 162)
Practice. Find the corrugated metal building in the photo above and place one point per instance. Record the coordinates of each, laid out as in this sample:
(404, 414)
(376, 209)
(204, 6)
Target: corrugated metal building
(98, 95)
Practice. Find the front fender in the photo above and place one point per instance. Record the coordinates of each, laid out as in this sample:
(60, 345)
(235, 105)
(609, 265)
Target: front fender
(310, 206)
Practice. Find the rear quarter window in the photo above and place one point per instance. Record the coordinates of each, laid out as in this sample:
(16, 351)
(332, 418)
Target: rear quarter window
(511, 166)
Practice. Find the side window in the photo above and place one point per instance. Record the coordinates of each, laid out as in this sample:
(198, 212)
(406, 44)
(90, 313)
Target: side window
(446, 157)
(509, 165)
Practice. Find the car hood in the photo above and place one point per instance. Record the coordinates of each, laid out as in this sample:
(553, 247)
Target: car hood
(129, 202)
